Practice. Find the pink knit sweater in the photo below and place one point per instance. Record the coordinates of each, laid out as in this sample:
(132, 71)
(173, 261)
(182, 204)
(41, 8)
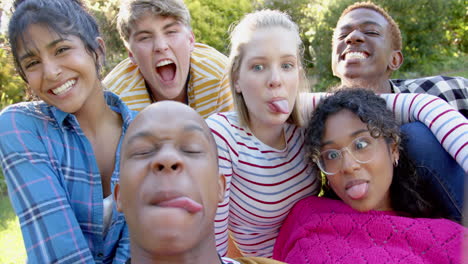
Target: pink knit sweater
(321, 230)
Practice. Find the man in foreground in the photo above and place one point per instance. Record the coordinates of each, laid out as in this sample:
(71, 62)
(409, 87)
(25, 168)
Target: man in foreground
(170, 187)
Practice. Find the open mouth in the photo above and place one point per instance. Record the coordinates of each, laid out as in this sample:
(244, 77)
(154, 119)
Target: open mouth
(357, 189)
(279, 106)
(355, 55)
(64, 87)
(166, 69)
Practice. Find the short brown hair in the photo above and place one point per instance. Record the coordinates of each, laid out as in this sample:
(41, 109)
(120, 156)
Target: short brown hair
(394, 29)
(240, 35)
(132, 10)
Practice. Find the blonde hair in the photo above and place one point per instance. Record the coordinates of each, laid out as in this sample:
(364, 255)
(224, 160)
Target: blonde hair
(241, 35)
(132, 10)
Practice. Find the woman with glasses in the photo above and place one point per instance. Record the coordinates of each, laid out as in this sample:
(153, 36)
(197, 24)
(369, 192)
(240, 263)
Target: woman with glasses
(377, 210)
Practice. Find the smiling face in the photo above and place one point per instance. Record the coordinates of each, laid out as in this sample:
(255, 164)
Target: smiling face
(58, 69)
(169, 181)
(365, 186)
(269, 76)
(362, 47)
(161, 46)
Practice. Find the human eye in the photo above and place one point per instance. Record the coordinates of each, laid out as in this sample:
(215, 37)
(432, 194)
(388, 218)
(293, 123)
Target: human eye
(192, 149)
(143, 37)
(372, 33)
(331, 154)
(257, 67)
(30, 64)
(141, 152)
(61, 50)
(341, 35)
(287, 66)
(362, 143)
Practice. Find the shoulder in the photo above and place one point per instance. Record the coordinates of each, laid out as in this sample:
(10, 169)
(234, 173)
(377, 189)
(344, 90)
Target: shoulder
(256, 260)
(123, 77)
(116, 104)
(313, 205)
(25, 114)
(425, 84)
(204, 55)
(227, 119)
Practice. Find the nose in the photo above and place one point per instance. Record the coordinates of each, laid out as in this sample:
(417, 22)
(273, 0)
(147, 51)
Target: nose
(160, 44)
(355, 36)
(167, 160)
(52, 70)
(349, 164)
(275, 78)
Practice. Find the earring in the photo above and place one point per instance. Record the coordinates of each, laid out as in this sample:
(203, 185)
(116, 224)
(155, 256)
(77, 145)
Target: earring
(395, 163)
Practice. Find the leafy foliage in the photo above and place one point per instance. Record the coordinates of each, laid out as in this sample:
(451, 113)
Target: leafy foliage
(212, 19)
(12, 87)
(432, 30)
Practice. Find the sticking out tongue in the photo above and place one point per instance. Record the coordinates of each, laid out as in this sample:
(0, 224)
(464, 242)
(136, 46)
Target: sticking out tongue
(167, 72)
(357, 191)
(184, 203)
(280, 106)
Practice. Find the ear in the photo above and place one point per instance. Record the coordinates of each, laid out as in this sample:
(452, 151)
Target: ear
(221, 187)
(396, 60)
(117, 197)
(102, 50)
(132, 58)
(192, 40)
(395, 153)
(237, 86)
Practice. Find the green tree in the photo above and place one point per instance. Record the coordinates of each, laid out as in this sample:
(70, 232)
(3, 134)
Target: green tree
(12, 87)
(211, 20)
(433, 34)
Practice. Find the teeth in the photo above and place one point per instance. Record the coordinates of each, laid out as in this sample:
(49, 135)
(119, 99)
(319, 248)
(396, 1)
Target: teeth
(355, 55)
(64, 87)
(164, 63)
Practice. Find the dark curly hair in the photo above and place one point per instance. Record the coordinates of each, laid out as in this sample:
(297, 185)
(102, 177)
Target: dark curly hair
(64, 17)
(408, 193)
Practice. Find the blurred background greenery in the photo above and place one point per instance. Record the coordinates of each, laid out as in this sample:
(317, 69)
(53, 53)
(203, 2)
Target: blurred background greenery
(434, 39)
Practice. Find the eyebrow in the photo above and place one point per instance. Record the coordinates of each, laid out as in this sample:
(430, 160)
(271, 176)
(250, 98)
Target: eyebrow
(195, 127)
(149, 135)
(355, 133)
(29, 53)
(143, 134)
(144, 31)
(263, 57)
(365, 23)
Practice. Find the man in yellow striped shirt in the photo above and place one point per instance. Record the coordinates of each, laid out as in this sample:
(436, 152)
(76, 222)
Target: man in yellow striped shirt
(164, 61)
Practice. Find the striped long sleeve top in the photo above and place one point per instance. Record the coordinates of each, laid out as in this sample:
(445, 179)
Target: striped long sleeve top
(208, 87)
(262, 184)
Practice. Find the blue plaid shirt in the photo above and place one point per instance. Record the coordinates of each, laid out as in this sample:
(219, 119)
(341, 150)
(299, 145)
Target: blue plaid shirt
(55, 187)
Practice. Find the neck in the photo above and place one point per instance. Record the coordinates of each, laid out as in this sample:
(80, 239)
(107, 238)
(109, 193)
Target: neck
(94, 114)
(202, 253)
(272, 136)
(377, 85)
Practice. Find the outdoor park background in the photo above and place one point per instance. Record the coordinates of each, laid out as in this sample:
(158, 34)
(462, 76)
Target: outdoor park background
(434, 35)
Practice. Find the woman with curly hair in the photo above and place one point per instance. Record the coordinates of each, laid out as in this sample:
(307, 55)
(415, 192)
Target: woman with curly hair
(377, 209)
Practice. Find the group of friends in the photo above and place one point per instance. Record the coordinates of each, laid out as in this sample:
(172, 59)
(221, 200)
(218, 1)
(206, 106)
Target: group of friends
(183, 155)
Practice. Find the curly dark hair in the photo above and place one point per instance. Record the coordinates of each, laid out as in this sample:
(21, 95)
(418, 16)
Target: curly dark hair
(408, 193)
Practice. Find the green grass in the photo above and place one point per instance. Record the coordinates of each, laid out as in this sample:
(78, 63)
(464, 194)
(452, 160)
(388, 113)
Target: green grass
(11, 241)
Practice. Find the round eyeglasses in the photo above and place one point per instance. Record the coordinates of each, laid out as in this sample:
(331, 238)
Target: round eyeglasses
(362, 149)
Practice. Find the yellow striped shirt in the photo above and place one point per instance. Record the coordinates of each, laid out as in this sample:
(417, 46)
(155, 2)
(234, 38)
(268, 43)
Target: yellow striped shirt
(208, 87)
